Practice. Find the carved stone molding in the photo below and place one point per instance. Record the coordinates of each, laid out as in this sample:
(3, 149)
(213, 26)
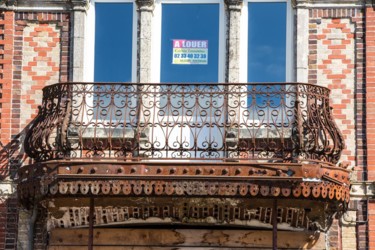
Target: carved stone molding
(362, 190)
(67, 4)
(329, 3)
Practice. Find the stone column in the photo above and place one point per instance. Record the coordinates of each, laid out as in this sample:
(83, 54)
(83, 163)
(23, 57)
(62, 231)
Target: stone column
(145, 12)
(78, 40)
(145, 8)
(233, 63)
(302, 49)
(233, 70)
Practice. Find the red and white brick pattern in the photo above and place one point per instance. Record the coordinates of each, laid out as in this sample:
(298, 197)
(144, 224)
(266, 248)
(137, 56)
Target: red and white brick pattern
(335, 70)
(337, 61)
(41, 65)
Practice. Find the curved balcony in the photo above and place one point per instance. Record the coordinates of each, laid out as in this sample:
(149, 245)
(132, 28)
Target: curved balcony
(197, 142)
(283, 123)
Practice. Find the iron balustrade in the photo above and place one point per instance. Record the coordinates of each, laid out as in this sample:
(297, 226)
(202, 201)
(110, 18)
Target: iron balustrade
(273, 122)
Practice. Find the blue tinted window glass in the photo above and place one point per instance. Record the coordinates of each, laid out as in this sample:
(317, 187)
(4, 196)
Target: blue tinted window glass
(113, 42)
(198, 26)
(267, 42)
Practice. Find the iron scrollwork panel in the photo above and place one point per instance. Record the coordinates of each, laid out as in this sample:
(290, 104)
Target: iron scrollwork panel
(262, 122)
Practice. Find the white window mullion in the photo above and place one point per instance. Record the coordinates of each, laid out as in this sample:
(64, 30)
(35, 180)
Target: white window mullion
(290, 76)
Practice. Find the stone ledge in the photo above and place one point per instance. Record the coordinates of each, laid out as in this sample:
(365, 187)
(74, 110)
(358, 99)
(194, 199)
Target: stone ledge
(44, 4)
(365, 189)
(328, 3)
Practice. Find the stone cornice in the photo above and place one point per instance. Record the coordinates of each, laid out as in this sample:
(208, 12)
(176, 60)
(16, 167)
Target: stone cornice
(45, 5)
(362, 190)
(329, 3)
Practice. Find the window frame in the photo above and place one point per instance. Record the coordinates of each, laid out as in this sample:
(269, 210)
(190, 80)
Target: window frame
(89, 51)
(244, 36)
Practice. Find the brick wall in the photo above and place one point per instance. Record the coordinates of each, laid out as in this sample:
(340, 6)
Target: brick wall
(337, 61)
(41, 56)
(8, 204)
(348, 231)
(40, 65)
(6, 67)
(34, 52)
(370, 112)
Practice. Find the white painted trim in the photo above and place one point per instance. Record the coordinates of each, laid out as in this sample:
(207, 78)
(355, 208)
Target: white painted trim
(156, 42)
(222, 43)
(331, 5)
(156, 36)
(134, 44)
(289, 74)
(302, 45)
(243, 58)
(26, 8)
(89, 48)
(89, 53)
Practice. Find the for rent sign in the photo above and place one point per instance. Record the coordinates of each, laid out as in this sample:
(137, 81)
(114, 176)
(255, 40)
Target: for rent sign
(190, 51)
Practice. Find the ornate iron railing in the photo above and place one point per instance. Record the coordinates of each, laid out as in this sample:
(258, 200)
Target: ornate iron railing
(288, 122)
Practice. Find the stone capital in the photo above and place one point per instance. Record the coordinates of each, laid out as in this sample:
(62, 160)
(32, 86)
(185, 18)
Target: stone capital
(234, 4)
(145, 5)
(79, 3)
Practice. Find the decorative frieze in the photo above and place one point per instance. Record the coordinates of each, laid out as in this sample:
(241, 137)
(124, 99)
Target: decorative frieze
(287, 217)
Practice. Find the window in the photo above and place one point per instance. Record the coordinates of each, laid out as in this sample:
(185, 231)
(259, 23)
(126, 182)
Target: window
(113, 58)
(269, 55)
(103, 109)
(190, 43)
(198, 23)
(191, 49)
(110, 41)
(113, 42)
(266, 42)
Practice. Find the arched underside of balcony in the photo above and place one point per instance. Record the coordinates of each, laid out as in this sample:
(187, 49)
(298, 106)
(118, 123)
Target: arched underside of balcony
(313, 191)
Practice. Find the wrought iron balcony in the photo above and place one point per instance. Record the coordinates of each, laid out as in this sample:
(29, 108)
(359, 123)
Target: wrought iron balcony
(204, 144)
(269, 123)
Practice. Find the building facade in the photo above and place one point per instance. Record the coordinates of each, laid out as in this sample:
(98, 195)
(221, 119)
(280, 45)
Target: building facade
(187, 124)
